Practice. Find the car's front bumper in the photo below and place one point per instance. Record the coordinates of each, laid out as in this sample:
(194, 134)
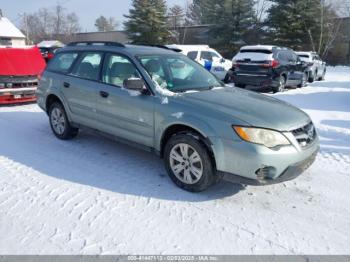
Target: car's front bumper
(253, 164)
(17, 95)
(290, 173)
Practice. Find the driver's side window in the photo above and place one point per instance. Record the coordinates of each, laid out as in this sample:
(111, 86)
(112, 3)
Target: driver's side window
(117, 69)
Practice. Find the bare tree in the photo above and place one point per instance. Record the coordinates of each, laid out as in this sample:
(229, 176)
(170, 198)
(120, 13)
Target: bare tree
(51, 23)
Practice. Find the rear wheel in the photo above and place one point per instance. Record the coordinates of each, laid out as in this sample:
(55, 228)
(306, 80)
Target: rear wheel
(311, 77)
(240, 85)
(59, 122)
(281, 85)
(322, 78)
(304, 80)
(188, 163)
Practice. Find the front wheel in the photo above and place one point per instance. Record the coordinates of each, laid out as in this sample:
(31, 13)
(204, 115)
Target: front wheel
(188, 163)
(59, 122)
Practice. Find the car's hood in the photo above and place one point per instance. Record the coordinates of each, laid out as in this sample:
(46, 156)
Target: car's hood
(255, 109)
(25, 61)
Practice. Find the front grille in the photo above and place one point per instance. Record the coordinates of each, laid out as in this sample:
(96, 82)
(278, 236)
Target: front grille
(18, 81)
(24, 84)
(305, 135)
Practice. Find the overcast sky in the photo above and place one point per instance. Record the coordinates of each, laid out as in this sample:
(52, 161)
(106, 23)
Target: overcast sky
(87, 10)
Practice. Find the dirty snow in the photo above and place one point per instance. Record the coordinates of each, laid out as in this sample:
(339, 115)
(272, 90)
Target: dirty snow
(178, 115)
(94, 196)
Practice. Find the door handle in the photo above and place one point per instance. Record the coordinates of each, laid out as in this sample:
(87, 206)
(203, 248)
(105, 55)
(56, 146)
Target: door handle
(104, 94)
(66, 85)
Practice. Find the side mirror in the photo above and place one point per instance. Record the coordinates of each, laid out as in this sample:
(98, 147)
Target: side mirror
(134, 84)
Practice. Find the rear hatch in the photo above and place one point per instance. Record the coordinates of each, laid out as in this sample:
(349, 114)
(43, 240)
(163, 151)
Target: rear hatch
(253, 62)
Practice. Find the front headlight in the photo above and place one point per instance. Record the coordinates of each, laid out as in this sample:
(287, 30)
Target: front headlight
(261, 136)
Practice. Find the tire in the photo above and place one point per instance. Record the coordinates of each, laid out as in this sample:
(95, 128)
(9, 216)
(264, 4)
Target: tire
(322, 78)
(240, 85)
(311, 77)
(194, 175)
(59, 123)
(304, 80)
(282, 85)
(228, 77)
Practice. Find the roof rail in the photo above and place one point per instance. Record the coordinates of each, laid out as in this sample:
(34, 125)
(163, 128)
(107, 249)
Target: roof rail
(166, 47)
(106, 43)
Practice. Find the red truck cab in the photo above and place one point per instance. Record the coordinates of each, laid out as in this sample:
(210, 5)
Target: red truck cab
(20, 69)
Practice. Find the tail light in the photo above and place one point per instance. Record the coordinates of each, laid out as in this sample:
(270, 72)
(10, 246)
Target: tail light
(50, 56)
(235, 64)
(272, 64)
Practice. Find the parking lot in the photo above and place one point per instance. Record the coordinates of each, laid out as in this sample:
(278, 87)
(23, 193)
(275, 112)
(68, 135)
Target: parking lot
(95, 196)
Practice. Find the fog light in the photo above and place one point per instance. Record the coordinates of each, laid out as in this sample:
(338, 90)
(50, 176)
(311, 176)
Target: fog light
(2, 85)
(265, 172)
(9, 85)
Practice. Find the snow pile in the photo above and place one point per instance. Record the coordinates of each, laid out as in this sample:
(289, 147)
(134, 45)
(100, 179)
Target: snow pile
(94, 196)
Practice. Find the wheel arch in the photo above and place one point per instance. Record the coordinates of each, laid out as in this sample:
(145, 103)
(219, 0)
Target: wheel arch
(52, 98)
(178, 128)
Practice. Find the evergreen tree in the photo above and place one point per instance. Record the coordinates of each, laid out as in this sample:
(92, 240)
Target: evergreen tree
(103, 24)
(230, 20)
(296, 24)
(198, 12)
(147, 22)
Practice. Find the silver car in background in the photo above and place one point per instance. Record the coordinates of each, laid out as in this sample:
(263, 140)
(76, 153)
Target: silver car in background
(316, 68)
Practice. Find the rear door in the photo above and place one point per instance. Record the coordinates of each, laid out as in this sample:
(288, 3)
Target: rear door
(79, 87)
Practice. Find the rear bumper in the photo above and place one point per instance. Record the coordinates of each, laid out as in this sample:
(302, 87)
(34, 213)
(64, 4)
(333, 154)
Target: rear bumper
(17, 95)
(255, 80)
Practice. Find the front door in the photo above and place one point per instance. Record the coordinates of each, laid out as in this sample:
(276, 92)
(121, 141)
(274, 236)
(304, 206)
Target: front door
(121, 112)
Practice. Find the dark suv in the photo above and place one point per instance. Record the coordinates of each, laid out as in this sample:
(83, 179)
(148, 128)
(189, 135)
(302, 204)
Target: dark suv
(267, 67)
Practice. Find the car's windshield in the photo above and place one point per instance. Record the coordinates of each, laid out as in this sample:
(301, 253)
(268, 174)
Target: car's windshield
(178, 73)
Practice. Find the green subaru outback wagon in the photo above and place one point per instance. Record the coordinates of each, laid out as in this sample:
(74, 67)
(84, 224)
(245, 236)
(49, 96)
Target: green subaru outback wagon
(168, 104)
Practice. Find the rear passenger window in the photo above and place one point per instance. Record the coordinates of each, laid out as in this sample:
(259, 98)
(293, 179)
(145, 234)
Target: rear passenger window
(192, 55)
(62, 62)
(88, 66)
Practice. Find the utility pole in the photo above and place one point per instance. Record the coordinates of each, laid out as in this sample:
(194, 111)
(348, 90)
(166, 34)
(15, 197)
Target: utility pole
(26, 26)
(25, 22)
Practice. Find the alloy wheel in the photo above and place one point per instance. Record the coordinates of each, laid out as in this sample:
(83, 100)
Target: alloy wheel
(186, 163)
(58, 121)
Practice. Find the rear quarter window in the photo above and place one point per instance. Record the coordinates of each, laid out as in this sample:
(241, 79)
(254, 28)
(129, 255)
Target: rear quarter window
(62, 62)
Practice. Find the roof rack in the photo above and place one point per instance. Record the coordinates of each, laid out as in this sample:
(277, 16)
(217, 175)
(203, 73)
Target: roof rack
(90, 43)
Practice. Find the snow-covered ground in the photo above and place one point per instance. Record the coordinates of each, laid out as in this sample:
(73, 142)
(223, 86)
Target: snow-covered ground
(95, 196)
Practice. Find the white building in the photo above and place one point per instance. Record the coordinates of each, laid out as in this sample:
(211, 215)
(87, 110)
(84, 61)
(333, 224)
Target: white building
(10, 35)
